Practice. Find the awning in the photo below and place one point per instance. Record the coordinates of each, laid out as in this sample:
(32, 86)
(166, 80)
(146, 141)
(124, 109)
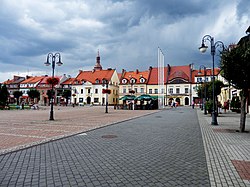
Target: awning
(127, 97)
(144, 97)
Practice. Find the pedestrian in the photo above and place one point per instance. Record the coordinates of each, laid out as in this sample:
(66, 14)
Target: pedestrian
(22, 104)
(226, 106)
(193, 104)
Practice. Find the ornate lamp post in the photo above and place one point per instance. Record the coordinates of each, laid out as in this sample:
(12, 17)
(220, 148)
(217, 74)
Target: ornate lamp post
(205, 91)
(51, 59)
(203, 49)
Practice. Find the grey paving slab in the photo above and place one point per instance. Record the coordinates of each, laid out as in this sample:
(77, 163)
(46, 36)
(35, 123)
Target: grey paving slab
(222, 145)
(161, 149)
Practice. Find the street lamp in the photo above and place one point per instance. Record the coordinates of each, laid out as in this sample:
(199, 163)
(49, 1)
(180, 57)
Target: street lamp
(105, 82)
(205, 91)
(203, 49)
(51, 59)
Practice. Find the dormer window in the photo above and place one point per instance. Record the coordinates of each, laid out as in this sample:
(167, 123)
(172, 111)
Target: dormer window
(124, 81)
(132, 81)
(97, 81)
(142, 80)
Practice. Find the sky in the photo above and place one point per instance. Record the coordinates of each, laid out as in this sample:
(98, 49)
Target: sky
(127, 33)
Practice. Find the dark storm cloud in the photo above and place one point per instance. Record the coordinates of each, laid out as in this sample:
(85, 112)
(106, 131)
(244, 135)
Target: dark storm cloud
(127, 32)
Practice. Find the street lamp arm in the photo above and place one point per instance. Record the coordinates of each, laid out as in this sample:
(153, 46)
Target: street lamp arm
(207, 38)
(219, 44)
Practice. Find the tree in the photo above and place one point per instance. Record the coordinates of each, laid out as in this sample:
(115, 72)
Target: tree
(4, 94)
(209, 93)
(17, 94)
(235, 63)
(209, 89)
(66, 94)
(34, 94)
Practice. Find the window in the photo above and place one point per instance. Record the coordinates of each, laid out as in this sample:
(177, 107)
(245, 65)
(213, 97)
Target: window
(135, 90)
(97, 81)
(156, 91)
(124, 90)
(186, 90)
(96, 91)
(132, 81)
(162, 90)
(96, 100)
(142, 90)
(171, 90)
(150, 91)
(88, 91)
(199, 79)
(124, 81)
(177, 90)
(142, 80)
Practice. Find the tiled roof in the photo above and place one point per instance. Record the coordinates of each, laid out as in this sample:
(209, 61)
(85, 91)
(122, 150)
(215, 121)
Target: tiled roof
(201, 73)
(8, 81)
(182, 72)
(44, 80)
(136, 75)
(153, 77)
(68, 81)
(15, 80)
(32, 80)
(92, 76)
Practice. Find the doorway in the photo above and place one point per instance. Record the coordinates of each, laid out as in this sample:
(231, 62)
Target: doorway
(186, 101)
(88, 100)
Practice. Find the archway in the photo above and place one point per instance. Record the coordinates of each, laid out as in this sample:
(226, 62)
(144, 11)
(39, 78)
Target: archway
(88, 100)
(186, 101)
(178, 100)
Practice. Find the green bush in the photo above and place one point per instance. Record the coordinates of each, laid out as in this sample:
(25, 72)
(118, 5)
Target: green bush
(235, 103)
(209, 106)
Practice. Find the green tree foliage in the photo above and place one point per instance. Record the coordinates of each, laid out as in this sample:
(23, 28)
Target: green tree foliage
(235, 63)
(50, 93)
(66, 94)
(4, 94)
(34, 94)
(17, 95)
(209, 89)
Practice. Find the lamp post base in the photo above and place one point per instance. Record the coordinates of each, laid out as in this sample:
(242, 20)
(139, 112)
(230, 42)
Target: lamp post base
(214, 119)
(51, 117)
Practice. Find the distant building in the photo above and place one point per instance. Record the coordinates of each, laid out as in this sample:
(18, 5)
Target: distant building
(87, 87)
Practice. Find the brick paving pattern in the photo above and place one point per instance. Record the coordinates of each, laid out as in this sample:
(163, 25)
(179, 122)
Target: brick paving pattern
(23, 128)
(161, 149)
(243, 168)
(222, 148)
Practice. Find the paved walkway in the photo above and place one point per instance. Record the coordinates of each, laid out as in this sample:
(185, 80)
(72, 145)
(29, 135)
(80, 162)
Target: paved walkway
(168, 148)
(24, 128)
(227, 151)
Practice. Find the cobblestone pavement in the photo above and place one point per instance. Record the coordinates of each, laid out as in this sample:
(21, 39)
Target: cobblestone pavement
(227, 151)
(161, 149)
(23, 128)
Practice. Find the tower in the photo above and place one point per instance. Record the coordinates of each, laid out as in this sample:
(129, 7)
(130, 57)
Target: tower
(98, 62)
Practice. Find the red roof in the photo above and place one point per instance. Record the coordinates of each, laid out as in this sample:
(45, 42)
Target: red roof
(68, 81)
(32, 80)
(153, 77)
(93, 76)
(201, 73)
(182, 72)
(44, 81)
(136, 75)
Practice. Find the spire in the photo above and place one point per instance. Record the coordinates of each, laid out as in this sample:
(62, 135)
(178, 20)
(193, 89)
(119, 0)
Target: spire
(98, 62)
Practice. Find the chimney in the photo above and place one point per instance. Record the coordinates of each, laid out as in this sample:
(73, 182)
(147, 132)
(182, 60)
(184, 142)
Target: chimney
(137, 71)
